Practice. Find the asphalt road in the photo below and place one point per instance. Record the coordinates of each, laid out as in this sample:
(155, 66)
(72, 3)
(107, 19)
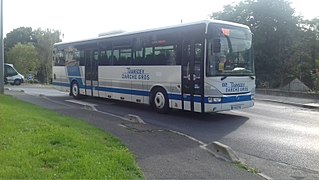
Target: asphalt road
(279, 140)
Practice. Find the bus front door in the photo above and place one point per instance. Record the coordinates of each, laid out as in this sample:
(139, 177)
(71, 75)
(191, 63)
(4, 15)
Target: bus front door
(193, 76)
(91, 72)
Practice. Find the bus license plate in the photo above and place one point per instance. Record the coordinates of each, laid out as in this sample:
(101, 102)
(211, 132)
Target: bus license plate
(235, 107)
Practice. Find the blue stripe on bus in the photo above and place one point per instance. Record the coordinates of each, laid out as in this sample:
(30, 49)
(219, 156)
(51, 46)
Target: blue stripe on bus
(236, 99)
(61, 84)
(175, 96)
(224, 99)
(123, 91)
(231, 99)
(197, 99)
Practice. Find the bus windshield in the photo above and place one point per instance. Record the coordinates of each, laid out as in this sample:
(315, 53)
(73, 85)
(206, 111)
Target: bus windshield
(229, 51)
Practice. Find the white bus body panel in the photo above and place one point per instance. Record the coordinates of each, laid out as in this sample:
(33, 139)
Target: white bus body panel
(63, 76)
(235, 93)
(134, 84)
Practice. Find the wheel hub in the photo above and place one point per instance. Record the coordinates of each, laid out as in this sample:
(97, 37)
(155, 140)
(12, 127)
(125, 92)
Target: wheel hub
(159, 100)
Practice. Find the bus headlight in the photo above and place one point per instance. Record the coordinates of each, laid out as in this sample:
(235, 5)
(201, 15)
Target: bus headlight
(252, 97)
(214, 99)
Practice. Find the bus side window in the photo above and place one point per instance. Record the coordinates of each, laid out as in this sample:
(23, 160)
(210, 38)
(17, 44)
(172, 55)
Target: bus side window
(149, 54)
(138, 57)
(115, 56)
(59, 58)
(82, 59)
(103, 58)
(125, 56)
(138, 52)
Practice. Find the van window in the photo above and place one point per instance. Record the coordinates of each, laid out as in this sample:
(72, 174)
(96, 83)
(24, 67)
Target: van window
(9, 71)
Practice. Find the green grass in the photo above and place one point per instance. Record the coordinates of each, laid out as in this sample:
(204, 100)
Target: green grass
(38, 144)
(247, 168)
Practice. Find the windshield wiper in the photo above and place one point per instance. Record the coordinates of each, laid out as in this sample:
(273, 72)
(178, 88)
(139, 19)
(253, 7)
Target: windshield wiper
(224, 77)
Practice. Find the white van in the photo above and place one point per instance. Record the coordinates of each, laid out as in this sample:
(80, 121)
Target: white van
(11, 75)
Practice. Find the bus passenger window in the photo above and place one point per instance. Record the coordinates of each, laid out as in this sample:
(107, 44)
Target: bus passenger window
(82, 59)
(125, 56)
(171, 58)
(165, 55)
(60, 58)
(148, 55)
(96, 56)
(103, 58)
(115, 56)
(138, 57)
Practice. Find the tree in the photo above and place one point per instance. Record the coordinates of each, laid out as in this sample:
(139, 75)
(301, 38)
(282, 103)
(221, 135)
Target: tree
(306, 48)
(313, 29)
(44, 41)
(25, 58)
(274, 29)
(21, 35)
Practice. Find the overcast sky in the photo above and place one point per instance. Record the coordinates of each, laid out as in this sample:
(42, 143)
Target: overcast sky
(82, 19)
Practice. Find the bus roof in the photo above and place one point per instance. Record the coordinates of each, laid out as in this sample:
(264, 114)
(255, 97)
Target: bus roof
(154, 29)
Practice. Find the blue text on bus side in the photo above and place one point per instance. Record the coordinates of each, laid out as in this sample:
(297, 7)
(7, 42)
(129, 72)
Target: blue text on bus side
(234, 87)
(136, 74)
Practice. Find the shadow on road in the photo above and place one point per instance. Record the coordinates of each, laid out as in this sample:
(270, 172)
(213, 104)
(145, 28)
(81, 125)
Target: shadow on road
(206, 127)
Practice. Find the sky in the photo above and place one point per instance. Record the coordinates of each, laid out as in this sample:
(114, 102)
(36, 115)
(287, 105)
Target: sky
(83, 19)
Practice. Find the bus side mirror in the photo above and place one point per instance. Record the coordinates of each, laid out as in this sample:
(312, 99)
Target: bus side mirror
(216, 46)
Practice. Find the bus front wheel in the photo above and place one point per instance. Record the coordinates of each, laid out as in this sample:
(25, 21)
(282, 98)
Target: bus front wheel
(75, 90)
(159, 100)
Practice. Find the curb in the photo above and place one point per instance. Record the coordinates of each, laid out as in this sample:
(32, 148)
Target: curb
(226, 153)
(134, 119)
(10, 89)
(222, 151)
(309, 105)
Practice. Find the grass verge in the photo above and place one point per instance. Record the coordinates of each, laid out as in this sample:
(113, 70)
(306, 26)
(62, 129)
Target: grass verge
(38, 144)
(247, 168)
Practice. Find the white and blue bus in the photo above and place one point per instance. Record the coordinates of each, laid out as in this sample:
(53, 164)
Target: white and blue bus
(205, 66)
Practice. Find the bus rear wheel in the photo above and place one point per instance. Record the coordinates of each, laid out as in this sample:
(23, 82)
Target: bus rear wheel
(75, 90)
(159, 100)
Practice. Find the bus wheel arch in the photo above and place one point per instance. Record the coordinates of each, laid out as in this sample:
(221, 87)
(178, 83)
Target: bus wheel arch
(75, 89)
(159, 99)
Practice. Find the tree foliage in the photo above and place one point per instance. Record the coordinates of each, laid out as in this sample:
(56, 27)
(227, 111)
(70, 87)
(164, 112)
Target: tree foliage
(42, 42)
(285, 45)
(21, 35)
(44, 45)
(25, 58)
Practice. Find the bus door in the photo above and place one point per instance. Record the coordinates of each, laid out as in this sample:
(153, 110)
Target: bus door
(91, 72)
(193, 76)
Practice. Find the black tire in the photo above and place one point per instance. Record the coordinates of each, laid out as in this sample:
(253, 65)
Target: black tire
(75, 90)
(159, 100)
(17, 82)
